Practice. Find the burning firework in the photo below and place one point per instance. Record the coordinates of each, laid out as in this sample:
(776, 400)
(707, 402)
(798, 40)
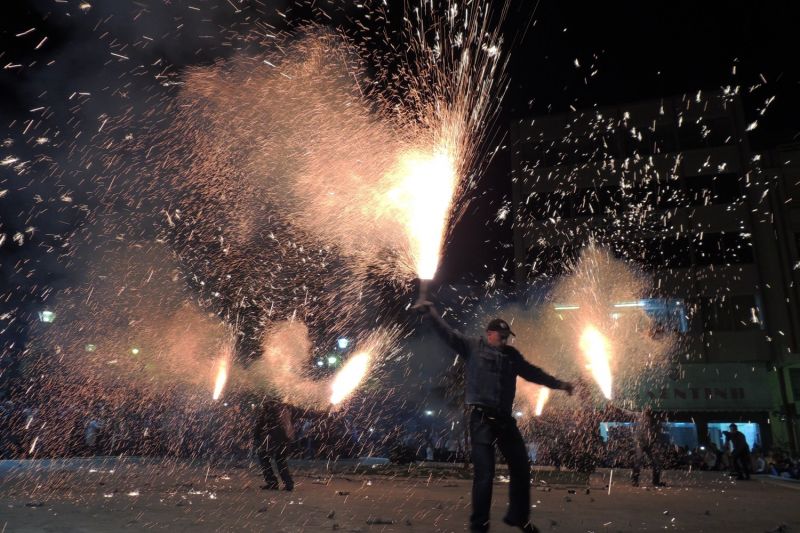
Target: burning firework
(349, 377)
(596, 350)
(222, 377)
(541, 400)
(424, 197)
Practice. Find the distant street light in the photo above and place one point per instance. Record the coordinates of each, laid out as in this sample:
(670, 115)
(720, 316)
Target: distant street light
(343, 343)
(91, 347)
(47, 316)
(332, 360)
(135, 351)
(428, 413)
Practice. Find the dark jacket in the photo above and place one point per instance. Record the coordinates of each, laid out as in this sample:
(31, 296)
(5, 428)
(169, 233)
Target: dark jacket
(648, 429)
(491, 373)
(274, 421)
(739, 441)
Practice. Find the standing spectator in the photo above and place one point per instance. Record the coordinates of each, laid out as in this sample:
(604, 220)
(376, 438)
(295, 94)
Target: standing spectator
(710, 457)
(740, 452)
(761, 464)
(273, 431)
(649, 442)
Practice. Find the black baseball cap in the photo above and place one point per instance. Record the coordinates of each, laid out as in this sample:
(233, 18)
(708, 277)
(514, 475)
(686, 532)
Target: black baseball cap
(500, 325)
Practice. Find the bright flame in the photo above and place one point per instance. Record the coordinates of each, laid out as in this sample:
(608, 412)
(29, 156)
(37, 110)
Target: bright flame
(424, 196)
(349, 377)
(541, 400)
(596, 349)
(222, 377)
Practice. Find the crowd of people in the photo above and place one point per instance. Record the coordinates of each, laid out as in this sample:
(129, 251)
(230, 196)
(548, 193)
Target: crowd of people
(102, 428)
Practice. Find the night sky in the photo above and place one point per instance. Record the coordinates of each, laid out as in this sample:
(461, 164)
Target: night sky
(639, 50)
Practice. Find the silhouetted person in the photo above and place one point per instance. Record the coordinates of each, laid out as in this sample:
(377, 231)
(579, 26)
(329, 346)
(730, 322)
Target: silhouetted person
(740, 454)
(491, 369)
(648, 439)
(273, 431)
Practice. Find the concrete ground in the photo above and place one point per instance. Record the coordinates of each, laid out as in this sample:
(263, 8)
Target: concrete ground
(138, 495)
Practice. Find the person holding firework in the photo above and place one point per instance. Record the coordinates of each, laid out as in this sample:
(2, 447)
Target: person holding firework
(492, 367)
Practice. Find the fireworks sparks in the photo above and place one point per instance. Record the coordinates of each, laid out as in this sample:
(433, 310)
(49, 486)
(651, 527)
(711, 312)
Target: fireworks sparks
(424, 198)
(597, 352)
(349, 377)
(541, 400)
(222, 377)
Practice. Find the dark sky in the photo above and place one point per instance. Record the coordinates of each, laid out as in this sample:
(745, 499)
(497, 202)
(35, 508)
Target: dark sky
(640, 50)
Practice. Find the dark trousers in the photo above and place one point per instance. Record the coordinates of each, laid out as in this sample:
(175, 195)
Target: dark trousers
(487, 431)
(272, 448)
(650, 451)
(741, 464)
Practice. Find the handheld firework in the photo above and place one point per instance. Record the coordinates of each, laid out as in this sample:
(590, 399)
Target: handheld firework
(597, 352)
(422, 295)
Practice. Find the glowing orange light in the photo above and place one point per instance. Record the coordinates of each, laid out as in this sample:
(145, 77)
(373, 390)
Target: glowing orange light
(349, 377)
(541, 400)
(222, 377)
(597, 352)
(423, 196)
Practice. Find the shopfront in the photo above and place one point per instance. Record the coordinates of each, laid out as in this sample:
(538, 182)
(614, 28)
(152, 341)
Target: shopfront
(702, 400)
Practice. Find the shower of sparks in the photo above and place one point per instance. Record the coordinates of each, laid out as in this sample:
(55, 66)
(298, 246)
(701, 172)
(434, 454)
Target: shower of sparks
(541, 400)
(349, 377)
(596, 351)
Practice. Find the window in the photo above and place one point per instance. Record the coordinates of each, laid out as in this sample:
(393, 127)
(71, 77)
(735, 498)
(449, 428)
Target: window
(708, 190)
(705, 132)
(667, 314)
(723, 249)
(716, 433)
(544, 205)
(658, 141)
(595, 201)
(731, 313)
(727, 189)
(668, 251)
(699, 190)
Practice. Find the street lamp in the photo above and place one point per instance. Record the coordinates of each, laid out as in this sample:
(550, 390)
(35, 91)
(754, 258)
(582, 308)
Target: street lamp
(428, 413)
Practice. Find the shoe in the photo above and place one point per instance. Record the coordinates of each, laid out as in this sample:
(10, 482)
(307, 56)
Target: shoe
(659, 484)
(528, 527)
(270, 486)
(288, 487)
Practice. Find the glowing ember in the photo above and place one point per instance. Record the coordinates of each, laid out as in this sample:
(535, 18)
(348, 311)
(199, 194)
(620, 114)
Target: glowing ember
(596, 349)
(222, 377)
(424, 196)
(541, 400)
(349, 377)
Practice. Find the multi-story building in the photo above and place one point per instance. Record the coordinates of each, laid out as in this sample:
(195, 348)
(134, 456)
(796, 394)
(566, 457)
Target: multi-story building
(672, 185)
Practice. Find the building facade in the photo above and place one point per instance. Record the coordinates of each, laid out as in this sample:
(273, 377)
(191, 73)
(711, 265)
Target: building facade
(671, 185)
